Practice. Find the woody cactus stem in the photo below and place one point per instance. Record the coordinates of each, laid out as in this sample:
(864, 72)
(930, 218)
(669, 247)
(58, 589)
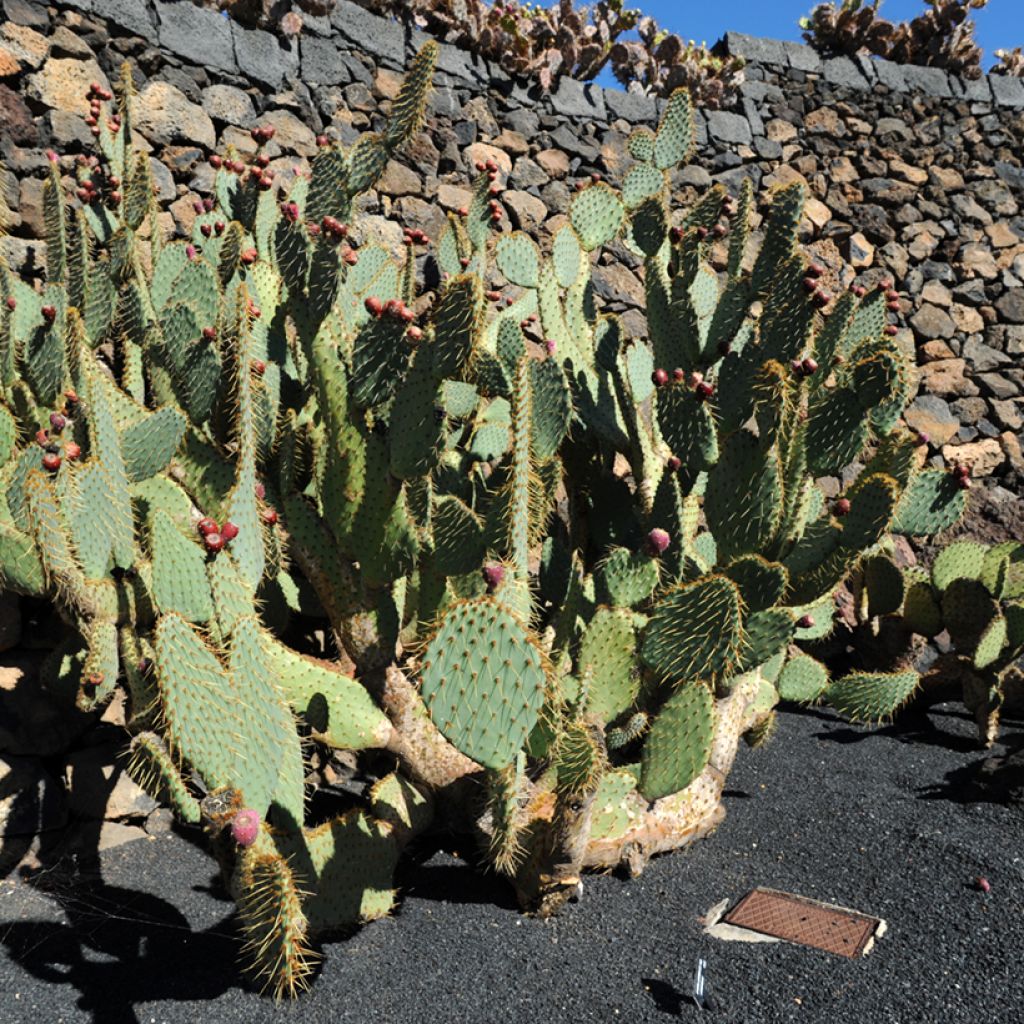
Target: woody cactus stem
(266, 422)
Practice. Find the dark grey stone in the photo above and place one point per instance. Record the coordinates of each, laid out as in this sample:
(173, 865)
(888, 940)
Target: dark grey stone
(935, 271)
(1007, 90)
(754, 48)
(866, 66)
(695, 175)
(762, 92)
(803, 58)
(80, 5)
(383, 38)
(565, 138)
(843, 72)
(526, 122)
(444, 102)
(320, 62)
(263, 56)
(997, 385)
(22, 12)
(983, 357)
(230, 105)
(891, 74)
(976, 90)
(724, 126)
(930, 81)
(577, 99)
(460, 63)
(1010, 305)
(733, 179)
(132, 17)
(767, 149)
(358, 71)
(318, 26)
(753, 117)
(631, 106)
(201, 36)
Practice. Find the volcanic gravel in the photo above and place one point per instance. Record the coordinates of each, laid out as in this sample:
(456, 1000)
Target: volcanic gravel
(889, 822)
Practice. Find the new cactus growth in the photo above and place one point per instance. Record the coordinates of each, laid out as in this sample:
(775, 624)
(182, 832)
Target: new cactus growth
(271, 440)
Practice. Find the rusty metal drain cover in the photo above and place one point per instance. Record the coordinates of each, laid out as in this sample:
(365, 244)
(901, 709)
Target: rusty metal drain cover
(808, 922)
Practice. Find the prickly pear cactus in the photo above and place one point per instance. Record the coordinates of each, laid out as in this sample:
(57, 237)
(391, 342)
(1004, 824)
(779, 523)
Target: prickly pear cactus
(562, 569)
(974, 593)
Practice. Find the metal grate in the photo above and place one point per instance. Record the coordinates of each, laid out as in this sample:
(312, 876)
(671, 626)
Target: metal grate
(797, 919)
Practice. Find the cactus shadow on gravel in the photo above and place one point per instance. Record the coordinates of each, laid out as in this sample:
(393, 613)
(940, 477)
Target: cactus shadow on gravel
(115, 944)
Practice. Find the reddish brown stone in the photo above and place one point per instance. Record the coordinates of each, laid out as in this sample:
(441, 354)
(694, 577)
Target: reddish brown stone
(16, 120)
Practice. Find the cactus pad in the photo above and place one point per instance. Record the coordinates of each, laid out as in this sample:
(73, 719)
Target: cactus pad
(483, 681)
(679, 743)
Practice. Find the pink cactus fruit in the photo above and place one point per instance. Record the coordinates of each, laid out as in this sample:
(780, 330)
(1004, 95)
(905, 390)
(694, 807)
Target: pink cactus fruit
(658, 541)
(245, 827)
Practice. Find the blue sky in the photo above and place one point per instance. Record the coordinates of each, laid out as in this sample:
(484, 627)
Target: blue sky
(1000, 24)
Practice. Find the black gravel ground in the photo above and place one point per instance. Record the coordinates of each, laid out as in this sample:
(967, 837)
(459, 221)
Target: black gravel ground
(888, 822)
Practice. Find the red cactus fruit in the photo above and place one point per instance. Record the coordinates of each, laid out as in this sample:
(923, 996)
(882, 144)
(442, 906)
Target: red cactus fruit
(810, 285)
(206, 230)
(414, 333)
(702, 232)
(51, 462)
(983, 884)
(673, 463)
(374, 306)
(550, 345)
(891, 330)
(821, 299)
(213, 541)
(72, 451)
(260, 490)
(842, 507)
(42, 438)
(209, 334)
(12, 303)
(270, 516)
(703, 391)
(245, 827)
(677, 375)
(659, 377)
(57, 422)
(805, 621)
(658, 541)
(809, 366)
(463, 211)
(49, 313)
(815, 270)
(494, 574)
(206, 525)
(258, 367)
(216, 161)
(229, 531)
(249, 256)
(322, 141)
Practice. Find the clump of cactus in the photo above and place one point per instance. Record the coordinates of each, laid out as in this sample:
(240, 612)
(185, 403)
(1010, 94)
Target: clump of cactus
(942, 36)
(562, 569)
(974, 597)
(1009, 62)
(660, 62)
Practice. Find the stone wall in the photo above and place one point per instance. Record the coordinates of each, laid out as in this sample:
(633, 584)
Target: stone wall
(915, 174)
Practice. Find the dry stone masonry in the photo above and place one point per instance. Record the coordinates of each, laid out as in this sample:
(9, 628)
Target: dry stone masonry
(916, 175)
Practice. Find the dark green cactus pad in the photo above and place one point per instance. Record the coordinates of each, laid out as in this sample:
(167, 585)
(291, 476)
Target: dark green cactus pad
(931, 503)
(695, 630)
(408, 108)
(743, 501)
(21, 568)
(990, 643)
(688, 428)
(626, 578)
(642, 182)
(458, 537)
(180, 583)
(607, 661)
(379, 356)
(641, 144)
(872, 503)
(483, 681)
(871, 697)
(967, 611)
(836, 430)
(407, 808)
(679, 744)
(803, 679)
(921, 611)
(649, 225)
(551, 408)
(761, 583)
(1003, 570)
(885, 585)
(417, 420)
(456, 321)
(780, 240)
(963, 560)
(765, 634)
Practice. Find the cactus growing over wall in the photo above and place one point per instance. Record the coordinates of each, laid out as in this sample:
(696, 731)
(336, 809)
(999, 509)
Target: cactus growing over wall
(563, 568)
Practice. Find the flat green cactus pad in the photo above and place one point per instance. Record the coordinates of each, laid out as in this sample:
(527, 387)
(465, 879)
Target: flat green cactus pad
(616, 807)
(679, 744)
(695, 631)
(484, 681)
(963, 560)
(871, 696)
(802, 679)
(607, 660)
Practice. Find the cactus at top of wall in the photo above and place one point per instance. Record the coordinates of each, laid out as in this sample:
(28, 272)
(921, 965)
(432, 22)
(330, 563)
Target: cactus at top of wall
(563, 569)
